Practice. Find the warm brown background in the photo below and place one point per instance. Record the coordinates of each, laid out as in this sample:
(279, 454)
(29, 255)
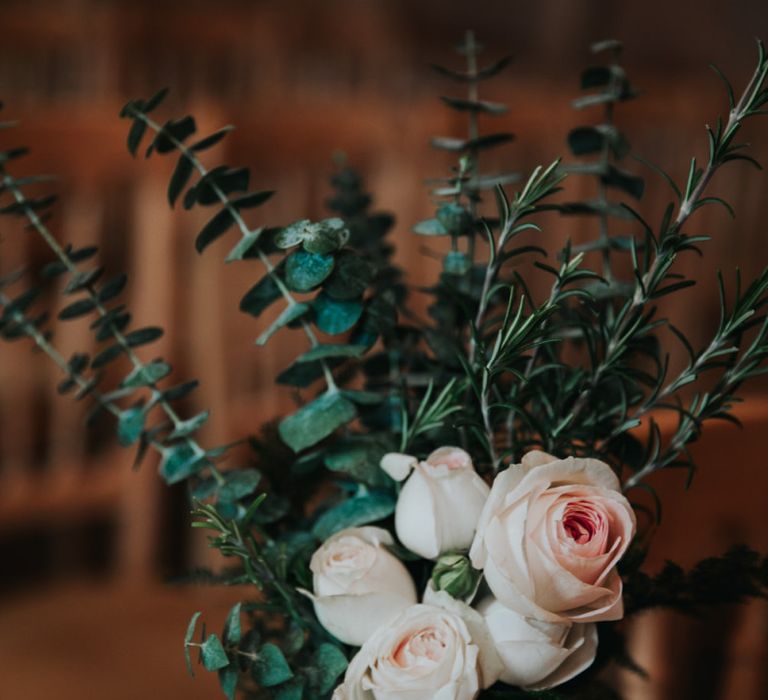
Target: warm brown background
(84, 542)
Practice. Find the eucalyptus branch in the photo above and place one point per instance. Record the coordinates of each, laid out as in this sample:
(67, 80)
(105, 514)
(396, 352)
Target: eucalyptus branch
(474, 131)
(30, 330)
(28, 210)
(605, 153)
(249, 237)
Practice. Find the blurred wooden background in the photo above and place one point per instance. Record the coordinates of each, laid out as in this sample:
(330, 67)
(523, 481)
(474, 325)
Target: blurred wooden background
(302, 80)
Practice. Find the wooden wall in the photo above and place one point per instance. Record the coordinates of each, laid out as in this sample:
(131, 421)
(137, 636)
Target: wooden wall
(302, 80)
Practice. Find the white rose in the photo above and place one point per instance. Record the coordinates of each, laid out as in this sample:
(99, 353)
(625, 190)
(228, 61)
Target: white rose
(438, 508)
(537, 655)
(550, 536)
(358, 584)
(429, 652)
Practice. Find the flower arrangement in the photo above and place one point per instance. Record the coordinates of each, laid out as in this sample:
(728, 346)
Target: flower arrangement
(447, 515)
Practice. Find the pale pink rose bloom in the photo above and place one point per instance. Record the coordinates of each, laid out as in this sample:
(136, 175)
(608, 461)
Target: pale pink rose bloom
(440, 650)
(358, 584)
(550, 536)
(438, 507)
(537, 655)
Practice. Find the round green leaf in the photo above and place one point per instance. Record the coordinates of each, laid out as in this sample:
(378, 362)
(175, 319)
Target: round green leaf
(326, 236)
(334, 316)
(292, 235)
(331, 663)
(455, 218)
(271, 668)
(456, 263)
(316, 420)
(430, 227)
(305, 271)
(214, 656)
(351, 276)
(129, 425)
(353, 512)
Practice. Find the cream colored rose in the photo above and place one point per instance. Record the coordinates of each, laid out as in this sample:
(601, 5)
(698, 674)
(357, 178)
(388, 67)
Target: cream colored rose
(439, 505)
(537, 655)
(358, 584)
(549, 538)
(440, 651)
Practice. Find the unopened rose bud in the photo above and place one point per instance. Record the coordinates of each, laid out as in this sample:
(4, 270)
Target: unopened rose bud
(440, 503)
(454, 574)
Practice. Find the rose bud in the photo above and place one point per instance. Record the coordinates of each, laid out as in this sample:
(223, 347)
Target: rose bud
(438, 650)
(358, 584)
(454, 574)
(550, 536)
(438, 508)
(537, 655)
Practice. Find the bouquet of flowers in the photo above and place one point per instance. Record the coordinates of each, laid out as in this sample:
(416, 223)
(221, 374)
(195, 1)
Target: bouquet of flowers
(446, 513)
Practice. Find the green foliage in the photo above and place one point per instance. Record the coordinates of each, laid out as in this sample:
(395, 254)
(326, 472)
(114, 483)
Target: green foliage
(316, 420)
(492, 370)
(364, 508)
(139, 398)
(271, 668)
(213, 654)
(330, 663)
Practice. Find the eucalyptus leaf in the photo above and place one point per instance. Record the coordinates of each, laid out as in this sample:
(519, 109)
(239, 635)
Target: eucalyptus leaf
(180, 178)
(321, 352)
(430, 227)
(360, 457)
(143, 336)
(212, 140)
(130, 425)
(189, 426)
(456, 263)
(214, 229)
(78, 308)
(292, 690)
(260, 296)
(455, 219)
(334, 316)
(316, 420)
(270, 668)
(330, 663)
(180, 461)
(326, 236)
(228, 678)
(292, 235)
(213, 654)
(232, 630)
(238, 484)
(351, 276)
(305, 271)
(188, 637)
(355, 511)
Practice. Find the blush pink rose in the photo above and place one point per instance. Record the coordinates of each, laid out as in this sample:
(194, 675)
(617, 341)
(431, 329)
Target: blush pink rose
(549, 538)
(440, 650)
(358, 584)
(438, 507)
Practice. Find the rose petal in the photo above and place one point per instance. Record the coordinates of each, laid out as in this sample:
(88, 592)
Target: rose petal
(583, 641)
(398, 465)
(352, 619)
